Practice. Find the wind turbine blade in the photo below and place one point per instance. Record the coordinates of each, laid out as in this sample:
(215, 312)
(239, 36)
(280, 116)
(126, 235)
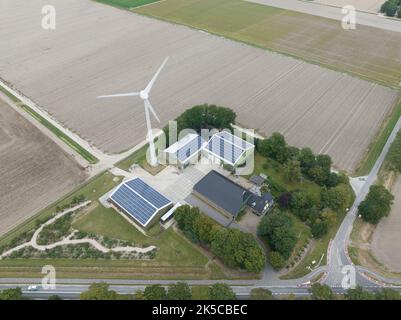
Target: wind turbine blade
(149, 106)
(131, 94)
(152, 82)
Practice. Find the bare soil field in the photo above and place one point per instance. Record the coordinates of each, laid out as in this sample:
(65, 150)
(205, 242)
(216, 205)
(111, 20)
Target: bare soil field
(97, 49)
(386, 241)
(363, 5)
(34, 172)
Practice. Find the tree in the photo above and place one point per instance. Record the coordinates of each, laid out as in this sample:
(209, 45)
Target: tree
(206, 117)
(276, 260)
(329, 216)
(274, 147)
(11, 294)
(277, 227)
(261, 294)
(307, 160)
(299, 200)
(376, 205)
(284, 200)
(222, 291)
(337, 198)
(99, 291)
(238, 249)
(321, 292)
(359, 294)
(319, 228)
(293, 171)
(155, 292)
(179, 291)
(234, 247)
(55, 297)
(204, 229)
(391, 9)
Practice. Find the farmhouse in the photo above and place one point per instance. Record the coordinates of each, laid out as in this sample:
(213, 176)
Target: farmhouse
(260, 205)
(228, 197)
(140, 202)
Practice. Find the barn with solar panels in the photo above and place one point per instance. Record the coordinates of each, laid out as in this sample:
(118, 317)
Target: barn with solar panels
(185, 151)
(140, 202)
(229, 149)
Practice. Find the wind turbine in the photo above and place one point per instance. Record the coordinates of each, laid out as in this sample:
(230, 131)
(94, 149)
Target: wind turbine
(144, 95)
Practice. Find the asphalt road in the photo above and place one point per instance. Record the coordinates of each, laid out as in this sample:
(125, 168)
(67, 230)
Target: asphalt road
(73, 291)
(338, 256)
(321, 10)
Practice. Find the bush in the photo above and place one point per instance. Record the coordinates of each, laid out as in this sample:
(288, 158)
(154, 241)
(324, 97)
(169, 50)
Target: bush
(319, 228)
(276, 260)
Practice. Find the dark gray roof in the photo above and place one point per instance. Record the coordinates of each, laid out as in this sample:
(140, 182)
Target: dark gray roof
(258, 180)
(223, 192)
(258, 203)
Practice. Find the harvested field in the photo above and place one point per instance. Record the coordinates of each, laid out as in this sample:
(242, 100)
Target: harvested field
(98, 49)
(34, 172)
(386, 242)
(364, 5)
(366, 52)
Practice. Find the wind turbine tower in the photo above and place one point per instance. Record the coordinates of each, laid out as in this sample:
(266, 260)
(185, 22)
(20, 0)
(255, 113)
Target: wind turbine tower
(144, 95)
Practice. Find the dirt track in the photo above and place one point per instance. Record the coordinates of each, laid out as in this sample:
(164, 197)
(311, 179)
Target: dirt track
(98, 50)
(34, 172)
(386, 241)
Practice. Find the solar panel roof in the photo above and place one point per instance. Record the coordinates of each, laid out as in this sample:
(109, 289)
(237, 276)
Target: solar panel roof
(189, 149)
(227, 146)
(139, 200)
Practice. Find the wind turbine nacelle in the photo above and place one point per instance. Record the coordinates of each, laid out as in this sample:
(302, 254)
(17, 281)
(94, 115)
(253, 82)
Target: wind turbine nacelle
(144, 95)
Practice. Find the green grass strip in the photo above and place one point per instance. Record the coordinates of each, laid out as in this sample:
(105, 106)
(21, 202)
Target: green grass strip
(67, 140)
(378, 145)
(127, 4)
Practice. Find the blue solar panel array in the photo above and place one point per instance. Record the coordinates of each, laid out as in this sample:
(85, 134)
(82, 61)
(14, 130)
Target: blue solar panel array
(235, 140)
(147, 192)
(190, 149)
(139, 200)
(225, 149)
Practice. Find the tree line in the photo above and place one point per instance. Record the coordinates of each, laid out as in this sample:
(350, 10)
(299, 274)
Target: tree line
(205, 116)
(235, 248)
(317, 209)
(299, 163)
(324, 292)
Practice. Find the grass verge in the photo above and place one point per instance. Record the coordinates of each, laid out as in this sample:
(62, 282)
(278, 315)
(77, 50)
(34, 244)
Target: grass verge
(377, 146)
(127, 4)
(66, 139)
